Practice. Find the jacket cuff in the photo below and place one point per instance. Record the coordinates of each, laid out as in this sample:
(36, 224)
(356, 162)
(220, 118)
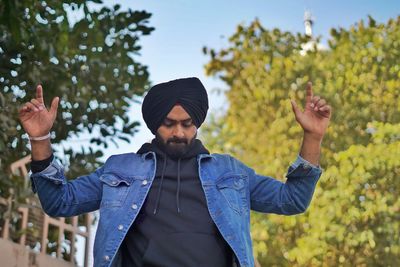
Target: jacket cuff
(300, 160)
(40, 165)
(53, 173)
(303, 168)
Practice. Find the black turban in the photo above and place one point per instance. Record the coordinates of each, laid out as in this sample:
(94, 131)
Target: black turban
(161, 98)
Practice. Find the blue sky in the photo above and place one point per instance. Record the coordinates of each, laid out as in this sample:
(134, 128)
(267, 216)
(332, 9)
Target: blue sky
(174, 49)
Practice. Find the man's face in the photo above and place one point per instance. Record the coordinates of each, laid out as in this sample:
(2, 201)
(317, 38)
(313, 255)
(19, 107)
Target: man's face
(176, 132)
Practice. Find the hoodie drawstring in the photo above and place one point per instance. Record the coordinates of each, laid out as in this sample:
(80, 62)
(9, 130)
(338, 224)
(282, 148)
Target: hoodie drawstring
(160, 186)
(178, 186)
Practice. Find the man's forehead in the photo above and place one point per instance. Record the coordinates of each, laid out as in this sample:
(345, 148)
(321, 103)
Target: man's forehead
(178, 113)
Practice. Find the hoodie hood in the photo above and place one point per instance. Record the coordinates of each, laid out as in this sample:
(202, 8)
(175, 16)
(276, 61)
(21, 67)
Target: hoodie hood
(195, 148)
(175, 169)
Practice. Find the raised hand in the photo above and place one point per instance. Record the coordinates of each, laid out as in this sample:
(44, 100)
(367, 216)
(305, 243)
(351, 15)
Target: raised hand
(316, 115)
(35, 118)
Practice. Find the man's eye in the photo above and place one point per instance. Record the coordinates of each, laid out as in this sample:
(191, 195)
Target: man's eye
(187, 124)
(167, 123)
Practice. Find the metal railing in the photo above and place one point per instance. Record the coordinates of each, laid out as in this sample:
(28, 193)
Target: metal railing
(56, 237)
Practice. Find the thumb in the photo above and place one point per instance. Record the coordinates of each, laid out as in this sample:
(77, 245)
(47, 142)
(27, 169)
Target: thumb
(296, 109)
(54, 106)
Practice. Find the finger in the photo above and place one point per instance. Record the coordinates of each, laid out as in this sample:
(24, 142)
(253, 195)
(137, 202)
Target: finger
(326, 108)
(314, 101)
(325, 111)
(295, 108)
(30, 107)
(321, 103)
(37, 104)
(24, 108)
(39, 93)
(54, 106)
(309, 92)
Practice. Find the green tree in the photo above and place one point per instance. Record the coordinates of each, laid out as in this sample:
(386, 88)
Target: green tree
(355, 218)
(359, 75)
(89, 61)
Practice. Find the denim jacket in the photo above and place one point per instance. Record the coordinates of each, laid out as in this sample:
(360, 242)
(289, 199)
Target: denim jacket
(119, 189)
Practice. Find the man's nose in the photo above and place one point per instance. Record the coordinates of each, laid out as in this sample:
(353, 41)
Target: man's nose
(178, 132)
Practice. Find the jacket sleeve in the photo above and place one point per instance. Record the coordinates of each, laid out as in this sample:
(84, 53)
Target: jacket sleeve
(60, 198)
(292, 197)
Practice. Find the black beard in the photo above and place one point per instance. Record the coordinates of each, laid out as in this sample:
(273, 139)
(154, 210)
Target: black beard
(175, 147)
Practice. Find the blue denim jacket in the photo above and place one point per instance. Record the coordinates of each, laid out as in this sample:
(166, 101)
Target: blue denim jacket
(120, 187)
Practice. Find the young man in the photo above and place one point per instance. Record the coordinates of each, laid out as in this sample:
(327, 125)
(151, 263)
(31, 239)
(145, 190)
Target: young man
(173, 203)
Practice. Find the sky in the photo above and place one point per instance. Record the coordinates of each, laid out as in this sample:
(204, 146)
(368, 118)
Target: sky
(183, 28)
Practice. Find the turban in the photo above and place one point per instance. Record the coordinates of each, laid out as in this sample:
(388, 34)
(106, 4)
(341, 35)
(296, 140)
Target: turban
(161, 98)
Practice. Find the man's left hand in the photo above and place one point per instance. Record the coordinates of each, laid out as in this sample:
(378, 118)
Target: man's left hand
(316, 116)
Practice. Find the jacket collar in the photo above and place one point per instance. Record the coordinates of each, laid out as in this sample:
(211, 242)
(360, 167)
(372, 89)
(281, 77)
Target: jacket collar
(148, 155)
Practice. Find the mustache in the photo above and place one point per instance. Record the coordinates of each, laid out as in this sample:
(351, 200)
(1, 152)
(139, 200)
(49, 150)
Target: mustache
(177, 140)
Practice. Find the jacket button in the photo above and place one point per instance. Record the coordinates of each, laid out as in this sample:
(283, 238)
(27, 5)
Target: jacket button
(134, 206)
(120, 227)
(114, 182)
(144, 182)
(306, 166)
(106, 257)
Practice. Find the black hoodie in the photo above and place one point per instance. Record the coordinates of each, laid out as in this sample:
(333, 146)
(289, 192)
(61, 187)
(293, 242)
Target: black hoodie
(174, 227)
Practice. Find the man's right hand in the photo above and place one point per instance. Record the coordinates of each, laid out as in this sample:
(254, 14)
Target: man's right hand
(37, 122)
(34, 116)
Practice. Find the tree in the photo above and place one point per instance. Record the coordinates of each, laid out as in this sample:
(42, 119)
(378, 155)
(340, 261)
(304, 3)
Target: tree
(90, 62)
(358, 74)
(356, 218)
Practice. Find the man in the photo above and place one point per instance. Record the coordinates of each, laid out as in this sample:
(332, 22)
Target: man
(173, 203)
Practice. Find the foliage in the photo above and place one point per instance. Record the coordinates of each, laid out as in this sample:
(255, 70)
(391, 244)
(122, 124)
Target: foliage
(352, 220)
(355, 219)
(83, 52)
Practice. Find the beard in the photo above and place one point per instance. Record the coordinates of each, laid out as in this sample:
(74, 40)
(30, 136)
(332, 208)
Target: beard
(175, 147)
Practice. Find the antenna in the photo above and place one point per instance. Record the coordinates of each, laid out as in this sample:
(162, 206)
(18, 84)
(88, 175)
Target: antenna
(308, 23)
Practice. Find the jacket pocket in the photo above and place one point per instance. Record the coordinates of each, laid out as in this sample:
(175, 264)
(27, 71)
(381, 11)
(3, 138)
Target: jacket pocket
(233, 188)
(115, 190)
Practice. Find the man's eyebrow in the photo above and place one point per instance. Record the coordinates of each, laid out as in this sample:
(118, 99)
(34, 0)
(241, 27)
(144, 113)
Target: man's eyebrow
(172, 120)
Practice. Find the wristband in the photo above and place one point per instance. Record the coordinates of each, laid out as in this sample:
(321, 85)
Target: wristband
(40, 138)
